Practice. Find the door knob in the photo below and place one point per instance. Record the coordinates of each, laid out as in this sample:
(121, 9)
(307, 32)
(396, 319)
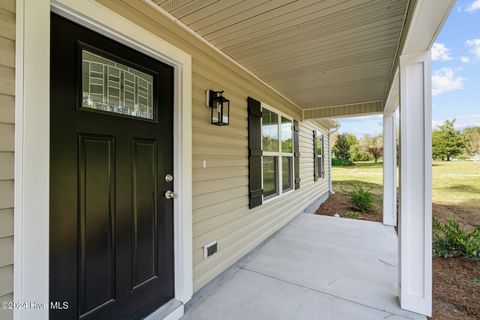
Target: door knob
(169, 178)
(170, 194)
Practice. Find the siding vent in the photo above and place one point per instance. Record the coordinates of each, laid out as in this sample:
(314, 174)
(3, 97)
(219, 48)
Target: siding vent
(209, 249)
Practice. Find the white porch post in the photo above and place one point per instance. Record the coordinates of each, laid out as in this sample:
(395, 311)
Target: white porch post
(415, 224)
(389, 170)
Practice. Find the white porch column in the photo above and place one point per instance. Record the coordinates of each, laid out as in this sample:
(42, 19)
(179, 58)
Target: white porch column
(415, 224)
(389, 170)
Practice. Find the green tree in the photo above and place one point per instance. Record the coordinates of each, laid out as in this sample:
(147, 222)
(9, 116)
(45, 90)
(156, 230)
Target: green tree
(447, 142)
(373, 146)
(341, 148)
(472, 142)
(357, 153)
(354, 146)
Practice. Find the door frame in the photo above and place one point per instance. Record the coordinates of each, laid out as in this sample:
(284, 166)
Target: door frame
(32, 141)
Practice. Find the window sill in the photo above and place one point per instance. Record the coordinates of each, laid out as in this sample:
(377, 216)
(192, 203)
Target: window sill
(278, 196)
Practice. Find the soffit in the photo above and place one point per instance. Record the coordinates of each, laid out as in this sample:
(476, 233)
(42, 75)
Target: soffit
(317, 53)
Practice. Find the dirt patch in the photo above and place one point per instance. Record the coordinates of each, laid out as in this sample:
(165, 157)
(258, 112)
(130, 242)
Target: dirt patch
(456, 295)
(338, 203)
(467, 215)
(456, 281)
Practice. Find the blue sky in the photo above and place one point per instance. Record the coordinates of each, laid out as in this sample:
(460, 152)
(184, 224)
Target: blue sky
(455, 74)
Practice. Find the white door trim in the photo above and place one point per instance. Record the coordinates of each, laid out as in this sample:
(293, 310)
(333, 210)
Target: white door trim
(32, 138)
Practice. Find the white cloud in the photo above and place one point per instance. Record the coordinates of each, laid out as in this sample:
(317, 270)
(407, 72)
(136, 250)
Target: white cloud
(474, 46)
(445, 80)
(474, 6)
(465, 59)
(440, 52)
(472, 120)
(436, 123)
(462, 122)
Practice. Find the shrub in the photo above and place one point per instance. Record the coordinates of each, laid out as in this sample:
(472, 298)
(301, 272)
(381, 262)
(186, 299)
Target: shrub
(352, 214)
(339, 162)
(361, 197)
(363, 157)
(450, 240)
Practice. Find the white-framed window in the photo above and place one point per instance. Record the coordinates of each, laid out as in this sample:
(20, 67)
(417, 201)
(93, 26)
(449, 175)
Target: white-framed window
(278, 149)
(320, 155)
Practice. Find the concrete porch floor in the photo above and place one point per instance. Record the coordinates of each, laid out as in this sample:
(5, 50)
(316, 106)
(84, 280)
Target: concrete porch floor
(317, 267)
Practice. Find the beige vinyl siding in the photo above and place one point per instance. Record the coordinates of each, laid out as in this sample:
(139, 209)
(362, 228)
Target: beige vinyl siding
(238, 229)
(306, 156)
(7, 117)
(220, 191)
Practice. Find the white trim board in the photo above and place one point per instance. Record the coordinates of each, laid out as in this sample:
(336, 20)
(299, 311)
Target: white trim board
(32, 133)
(389, 170)
(415, 211)
(32, 124)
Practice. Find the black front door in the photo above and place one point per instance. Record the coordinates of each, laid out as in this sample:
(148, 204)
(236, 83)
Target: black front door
(111, 147)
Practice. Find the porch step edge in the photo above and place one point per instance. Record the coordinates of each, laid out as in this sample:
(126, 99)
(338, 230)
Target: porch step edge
(172, 310)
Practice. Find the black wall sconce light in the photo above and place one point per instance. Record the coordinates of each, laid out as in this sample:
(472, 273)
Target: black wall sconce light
(220, 106)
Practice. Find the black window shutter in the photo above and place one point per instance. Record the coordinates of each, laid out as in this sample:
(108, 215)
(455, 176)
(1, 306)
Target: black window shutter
(322, 167)
(254, 153)
(296, 154)
(315, 156)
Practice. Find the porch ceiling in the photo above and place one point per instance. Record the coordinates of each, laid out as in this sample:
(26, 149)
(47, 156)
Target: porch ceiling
(317, 53)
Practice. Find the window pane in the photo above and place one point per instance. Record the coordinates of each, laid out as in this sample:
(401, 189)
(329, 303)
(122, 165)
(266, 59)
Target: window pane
(270, 176)
(286, 127)
(269, 130)
(319, 145)
(110, 86)
(287, 182)
(320, 167)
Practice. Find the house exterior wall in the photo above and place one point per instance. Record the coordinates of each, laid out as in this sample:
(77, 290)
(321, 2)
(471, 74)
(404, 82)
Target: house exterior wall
(220, 202)
(220, 191)
(7, 118)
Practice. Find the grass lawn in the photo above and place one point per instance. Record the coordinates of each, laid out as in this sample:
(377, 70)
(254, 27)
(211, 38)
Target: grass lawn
(455, 195)
(455, 187)
(453, 182)
(456, 182)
